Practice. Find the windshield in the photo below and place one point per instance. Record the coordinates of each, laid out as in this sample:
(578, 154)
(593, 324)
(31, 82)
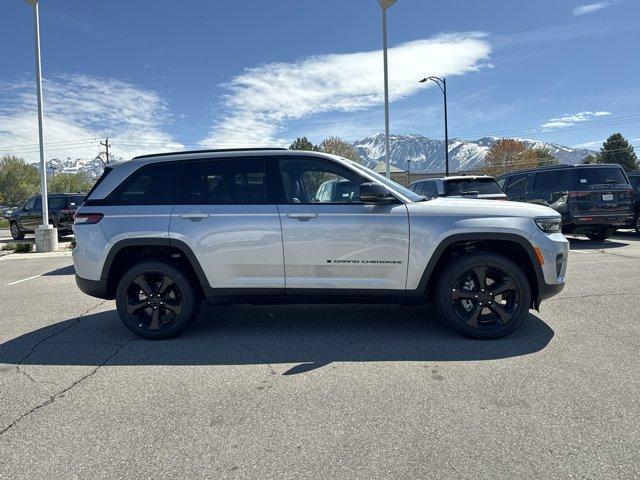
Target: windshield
(600, 176)
(414, 197)
(481, 186)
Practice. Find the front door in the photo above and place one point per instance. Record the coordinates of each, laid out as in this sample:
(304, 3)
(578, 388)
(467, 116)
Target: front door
(227, 216)
(331, 239)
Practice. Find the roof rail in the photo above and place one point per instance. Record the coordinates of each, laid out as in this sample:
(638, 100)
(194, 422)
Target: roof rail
(185, 152)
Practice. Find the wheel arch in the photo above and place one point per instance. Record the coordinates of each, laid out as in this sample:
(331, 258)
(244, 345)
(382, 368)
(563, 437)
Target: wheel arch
(515, 247)
(128, 252)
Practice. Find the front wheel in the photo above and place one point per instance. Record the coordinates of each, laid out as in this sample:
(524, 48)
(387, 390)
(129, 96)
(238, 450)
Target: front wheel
(156, 300)
(16, 234)
(600, 234)
(483, 295)
(636, 223)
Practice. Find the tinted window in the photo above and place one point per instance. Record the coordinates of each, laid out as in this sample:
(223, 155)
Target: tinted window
(516, 186)
(635, 182)
(76, 200)
(501, 182)
(304, 181)
(431, 189)
(229, 181)
(29, 204)
(155, 184)
(599, 176)
(38, 204)
(417, 188)
(551, 181)
(481, 186)
(57, 203)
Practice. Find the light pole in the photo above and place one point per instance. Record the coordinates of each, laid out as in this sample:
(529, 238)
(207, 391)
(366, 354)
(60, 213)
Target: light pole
(46, 235)
(385, 4)
(442, 83)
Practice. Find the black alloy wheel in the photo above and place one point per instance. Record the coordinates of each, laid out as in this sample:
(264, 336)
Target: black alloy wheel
(156, 300)
(16, 234)
(636, 224)
(484, 295)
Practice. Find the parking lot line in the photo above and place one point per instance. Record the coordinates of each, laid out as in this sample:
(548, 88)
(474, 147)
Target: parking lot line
(25, 279)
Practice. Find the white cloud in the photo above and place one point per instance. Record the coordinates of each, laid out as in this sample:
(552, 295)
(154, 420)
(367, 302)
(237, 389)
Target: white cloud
(260, 102)
(570, 120)
(594, 7)
(79, 111)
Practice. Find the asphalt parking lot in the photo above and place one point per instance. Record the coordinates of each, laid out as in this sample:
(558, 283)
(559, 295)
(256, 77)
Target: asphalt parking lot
(322, 391)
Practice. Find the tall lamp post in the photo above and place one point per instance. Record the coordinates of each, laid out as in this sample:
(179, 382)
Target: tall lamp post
(385, 4)
(442, 83)
(46, 235)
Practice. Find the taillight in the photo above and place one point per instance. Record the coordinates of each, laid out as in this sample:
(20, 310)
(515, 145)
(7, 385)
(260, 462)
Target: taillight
(87, 218)
(578, 194)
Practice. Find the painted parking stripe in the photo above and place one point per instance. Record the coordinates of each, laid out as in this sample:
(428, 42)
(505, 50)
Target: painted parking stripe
(25, 279)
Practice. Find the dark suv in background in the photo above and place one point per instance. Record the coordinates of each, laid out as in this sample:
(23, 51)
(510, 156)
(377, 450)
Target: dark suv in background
(473, 186)
(62, 207)
(634, 178)
(592, 199)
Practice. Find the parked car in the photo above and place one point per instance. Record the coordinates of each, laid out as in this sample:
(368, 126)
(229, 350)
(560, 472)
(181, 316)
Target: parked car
(476, 186)
(161, 232)
(592, 199)
(62, 207)
(634, 179)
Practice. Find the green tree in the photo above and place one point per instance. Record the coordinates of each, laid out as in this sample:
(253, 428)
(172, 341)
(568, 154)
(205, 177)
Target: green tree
(303, 143)
(70, 182)
(616, 149)
(544, 157)
(339, 147)
(18, 180)
(591, 158)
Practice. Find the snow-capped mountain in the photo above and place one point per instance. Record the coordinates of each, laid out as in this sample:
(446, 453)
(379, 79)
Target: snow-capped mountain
(93, 167)
(427, 155)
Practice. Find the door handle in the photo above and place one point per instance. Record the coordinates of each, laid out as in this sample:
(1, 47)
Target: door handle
(194, 216)
(302, 215)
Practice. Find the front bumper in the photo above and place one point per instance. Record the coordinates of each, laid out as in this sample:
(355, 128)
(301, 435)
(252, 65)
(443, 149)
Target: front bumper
(551, 275)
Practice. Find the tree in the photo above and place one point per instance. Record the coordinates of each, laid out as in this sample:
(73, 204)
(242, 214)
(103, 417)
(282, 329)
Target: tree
(303, 143)
(616, 149)
(544, 157)
(591, 158)
(506, 155)
(339, 147)
(18, 180)
(70, 182)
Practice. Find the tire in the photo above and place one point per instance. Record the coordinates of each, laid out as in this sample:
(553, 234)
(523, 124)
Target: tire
(493, 312)
(636, 223)
(16, 234)
(600, 234)
(143, 297)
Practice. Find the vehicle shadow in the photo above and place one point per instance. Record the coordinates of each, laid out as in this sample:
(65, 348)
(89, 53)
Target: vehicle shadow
(578, 243)
(309, 336)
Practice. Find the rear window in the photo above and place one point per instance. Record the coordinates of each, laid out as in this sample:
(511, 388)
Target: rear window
(480, 186)
(155, 184)
(551, 181)
(600, 176)
(75, 201)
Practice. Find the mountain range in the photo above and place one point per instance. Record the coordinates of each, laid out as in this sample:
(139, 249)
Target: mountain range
(425, 154)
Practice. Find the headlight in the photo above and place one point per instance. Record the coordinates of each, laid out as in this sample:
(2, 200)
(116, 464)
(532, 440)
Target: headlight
(549, 224)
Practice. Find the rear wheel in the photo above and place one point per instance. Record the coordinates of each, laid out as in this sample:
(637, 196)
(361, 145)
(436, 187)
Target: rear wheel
(156, 300)
(483, 295)
(16, 234)
(600, 234)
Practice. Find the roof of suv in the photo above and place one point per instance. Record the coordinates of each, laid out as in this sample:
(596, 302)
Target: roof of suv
(218, 150)
(559, 167)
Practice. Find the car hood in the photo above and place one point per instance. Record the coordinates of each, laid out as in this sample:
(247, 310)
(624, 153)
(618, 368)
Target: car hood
(478, 207)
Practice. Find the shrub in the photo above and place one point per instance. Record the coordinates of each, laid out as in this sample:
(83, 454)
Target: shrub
(24, 247)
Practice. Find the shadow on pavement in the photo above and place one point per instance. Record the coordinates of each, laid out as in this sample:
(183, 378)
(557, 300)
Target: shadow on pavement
(309, 336)
(68, 270)
(578, 243)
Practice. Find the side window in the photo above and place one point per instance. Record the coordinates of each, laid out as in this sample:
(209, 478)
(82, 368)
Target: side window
(57, 203)
(38, 205)
(501, 183)
(551, 182)
(236, 181)
(431, 189)
(304, 181)
(29, 204)
(155, 184)
(516, 186)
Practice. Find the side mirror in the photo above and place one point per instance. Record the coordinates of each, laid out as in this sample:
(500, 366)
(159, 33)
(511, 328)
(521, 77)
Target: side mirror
(374, 193)
(554, 197)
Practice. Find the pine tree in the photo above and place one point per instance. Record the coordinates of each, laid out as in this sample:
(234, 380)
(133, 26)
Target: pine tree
(616, 149)
(303, 143)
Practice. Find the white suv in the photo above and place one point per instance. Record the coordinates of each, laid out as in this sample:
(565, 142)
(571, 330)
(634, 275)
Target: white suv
(162, 232)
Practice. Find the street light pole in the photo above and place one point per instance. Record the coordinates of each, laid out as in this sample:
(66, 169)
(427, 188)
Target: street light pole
(385, 4)
(46, 235)
(442, 83)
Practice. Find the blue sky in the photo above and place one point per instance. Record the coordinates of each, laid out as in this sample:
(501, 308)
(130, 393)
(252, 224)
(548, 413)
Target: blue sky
(167, 75)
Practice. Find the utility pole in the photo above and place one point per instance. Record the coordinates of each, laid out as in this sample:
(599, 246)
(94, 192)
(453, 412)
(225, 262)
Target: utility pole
(385, 4)
(442, 83)
(105, 144)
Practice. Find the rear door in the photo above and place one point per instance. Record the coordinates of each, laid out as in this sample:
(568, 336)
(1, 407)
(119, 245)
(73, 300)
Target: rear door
(341, 244)
(517, 187)
(227, 215)
(33, 217)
